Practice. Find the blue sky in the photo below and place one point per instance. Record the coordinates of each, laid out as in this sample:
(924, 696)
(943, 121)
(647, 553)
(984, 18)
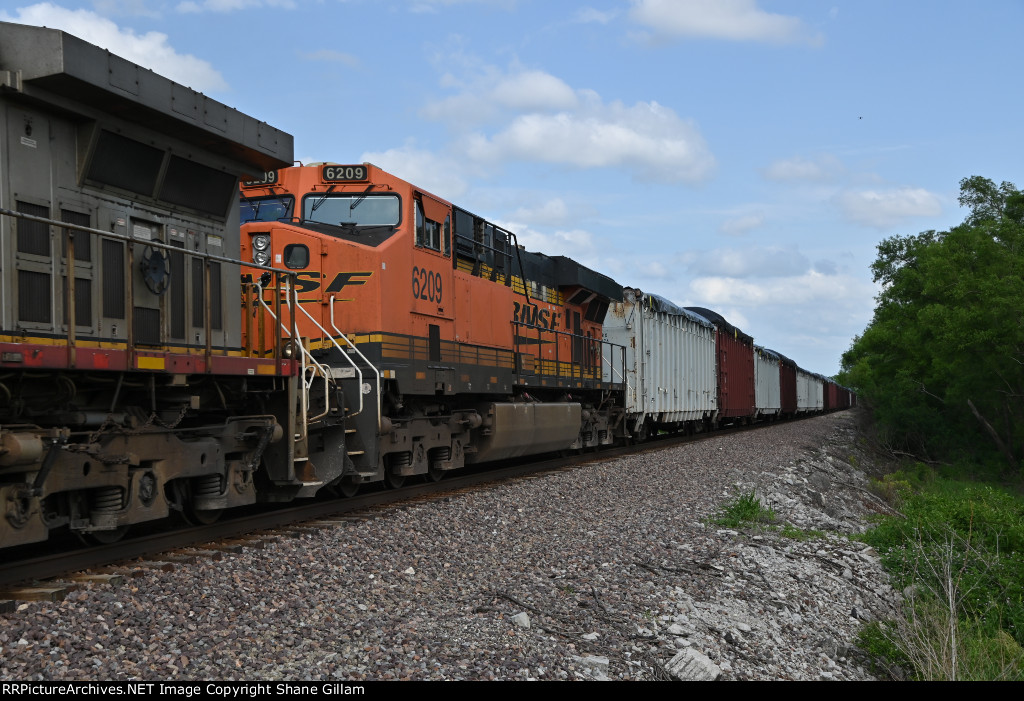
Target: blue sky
(743, 155)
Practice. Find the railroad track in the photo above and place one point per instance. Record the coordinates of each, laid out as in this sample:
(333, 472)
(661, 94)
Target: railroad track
(52, 575)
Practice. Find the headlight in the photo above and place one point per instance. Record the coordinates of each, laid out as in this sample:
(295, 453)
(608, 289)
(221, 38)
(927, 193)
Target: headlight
(260, 257)
(261, 241)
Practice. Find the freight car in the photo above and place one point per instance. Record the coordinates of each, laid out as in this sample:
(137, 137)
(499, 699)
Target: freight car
(670, 364)
(124, 393)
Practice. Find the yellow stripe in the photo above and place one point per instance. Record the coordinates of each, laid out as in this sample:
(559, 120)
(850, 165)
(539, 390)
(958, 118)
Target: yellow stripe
(148, 363)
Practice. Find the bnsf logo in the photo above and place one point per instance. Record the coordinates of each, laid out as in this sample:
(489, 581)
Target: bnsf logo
(310, 282)
(532, 315)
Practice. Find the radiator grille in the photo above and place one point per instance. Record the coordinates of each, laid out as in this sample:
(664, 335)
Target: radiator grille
(198, 298)
(34, 296)
(83, 239)
(83, 301)
(147, 326)
(33, 237)
(113, 280)
(177, 292)
(216, 311)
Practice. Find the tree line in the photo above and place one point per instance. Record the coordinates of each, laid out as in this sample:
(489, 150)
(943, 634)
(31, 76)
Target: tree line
(942, 362)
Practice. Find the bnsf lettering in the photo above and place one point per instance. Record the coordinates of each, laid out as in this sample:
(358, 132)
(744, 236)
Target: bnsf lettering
(532, 315)
(345, 279)
(426, 284)
(310, 282)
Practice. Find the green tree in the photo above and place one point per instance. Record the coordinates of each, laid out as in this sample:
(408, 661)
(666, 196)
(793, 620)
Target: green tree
(942, 361)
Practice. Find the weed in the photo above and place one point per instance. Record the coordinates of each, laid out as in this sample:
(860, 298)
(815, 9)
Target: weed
(793, 533)
(746, 508)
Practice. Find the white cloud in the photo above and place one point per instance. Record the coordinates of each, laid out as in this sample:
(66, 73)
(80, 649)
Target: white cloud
(820, 169)
(736, 20)
(747, 262)
(811, 288)
(589, 15)
(887, 208)
(433, 172)
(552, 212)
(151, 50)
(531, 115)
(491, 94)
(577, 244)
(647, 140)
(740, 226)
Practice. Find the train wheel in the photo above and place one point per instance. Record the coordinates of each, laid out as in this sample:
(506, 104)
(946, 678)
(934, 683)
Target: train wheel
(346, 488)
(102, 537)
(435, 474)
(201, 517)
(393, 480)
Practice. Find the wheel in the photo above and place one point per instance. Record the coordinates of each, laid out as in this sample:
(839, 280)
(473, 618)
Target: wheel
(393, 480)
(346, 488)
(201, 517)
(102, 537)
(434, 474)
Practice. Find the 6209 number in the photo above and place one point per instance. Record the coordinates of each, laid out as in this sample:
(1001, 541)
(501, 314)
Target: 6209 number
(426, 284)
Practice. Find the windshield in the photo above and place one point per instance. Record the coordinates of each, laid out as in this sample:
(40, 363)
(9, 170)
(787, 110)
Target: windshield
(359, 209)
(273, 208)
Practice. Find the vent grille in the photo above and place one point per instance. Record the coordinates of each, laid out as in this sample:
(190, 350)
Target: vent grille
(33, 237)
(216, 308)
(198, 301)
(177, 292)
(83, 239)
(83, 301)
(34, 301)
(113, 280)
(147, 326)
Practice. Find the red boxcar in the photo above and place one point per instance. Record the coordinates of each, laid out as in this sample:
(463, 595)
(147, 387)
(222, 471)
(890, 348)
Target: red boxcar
(787, 380)
(735, 361)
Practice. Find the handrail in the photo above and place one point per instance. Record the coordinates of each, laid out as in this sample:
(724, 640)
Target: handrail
(578, 368)
(365, 360)
(304, 356)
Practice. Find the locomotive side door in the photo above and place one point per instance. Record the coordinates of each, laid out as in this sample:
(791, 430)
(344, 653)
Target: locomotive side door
(433, 299)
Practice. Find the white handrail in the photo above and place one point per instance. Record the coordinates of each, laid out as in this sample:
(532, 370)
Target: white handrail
(304, 356)
(324, 331)
(365, 360)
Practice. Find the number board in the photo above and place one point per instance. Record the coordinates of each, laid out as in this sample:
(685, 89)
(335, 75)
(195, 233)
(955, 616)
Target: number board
(345, 174)
(269, 178)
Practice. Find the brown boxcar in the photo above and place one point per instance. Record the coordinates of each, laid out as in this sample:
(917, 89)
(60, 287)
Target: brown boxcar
(787, 380)
(735, 361)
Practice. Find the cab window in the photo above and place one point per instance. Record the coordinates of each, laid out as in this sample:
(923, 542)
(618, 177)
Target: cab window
(296, 255)
(429, 232)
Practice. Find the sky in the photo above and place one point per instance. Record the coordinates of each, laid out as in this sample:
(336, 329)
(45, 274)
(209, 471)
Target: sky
(742, 155)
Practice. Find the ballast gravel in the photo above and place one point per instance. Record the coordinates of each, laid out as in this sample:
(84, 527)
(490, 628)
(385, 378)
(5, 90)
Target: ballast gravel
(611, 571)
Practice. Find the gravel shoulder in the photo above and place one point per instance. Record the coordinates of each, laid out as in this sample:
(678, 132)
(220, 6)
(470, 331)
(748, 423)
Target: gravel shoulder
(609, 571)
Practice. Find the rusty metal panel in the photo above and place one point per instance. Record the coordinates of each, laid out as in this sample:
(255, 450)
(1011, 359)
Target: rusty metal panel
(768, 390)
(670, 359)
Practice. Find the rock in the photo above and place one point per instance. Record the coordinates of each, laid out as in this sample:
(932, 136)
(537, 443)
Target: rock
(693, 666)
(521, 619)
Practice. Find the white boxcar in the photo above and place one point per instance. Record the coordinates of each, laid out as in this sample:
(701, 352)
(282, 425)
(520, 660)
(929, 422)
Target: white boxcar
(768, 389)
(810, 396)
(670, 362)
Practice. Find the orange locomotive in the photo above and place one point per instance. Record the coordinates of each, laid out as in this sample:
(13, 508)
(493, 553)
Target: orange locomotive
(428, 338)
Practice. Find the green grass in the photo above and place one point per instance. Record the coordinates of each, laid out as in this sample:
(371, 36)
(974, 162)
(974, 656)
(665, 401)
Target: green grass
(744, 510)
(959, 554)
